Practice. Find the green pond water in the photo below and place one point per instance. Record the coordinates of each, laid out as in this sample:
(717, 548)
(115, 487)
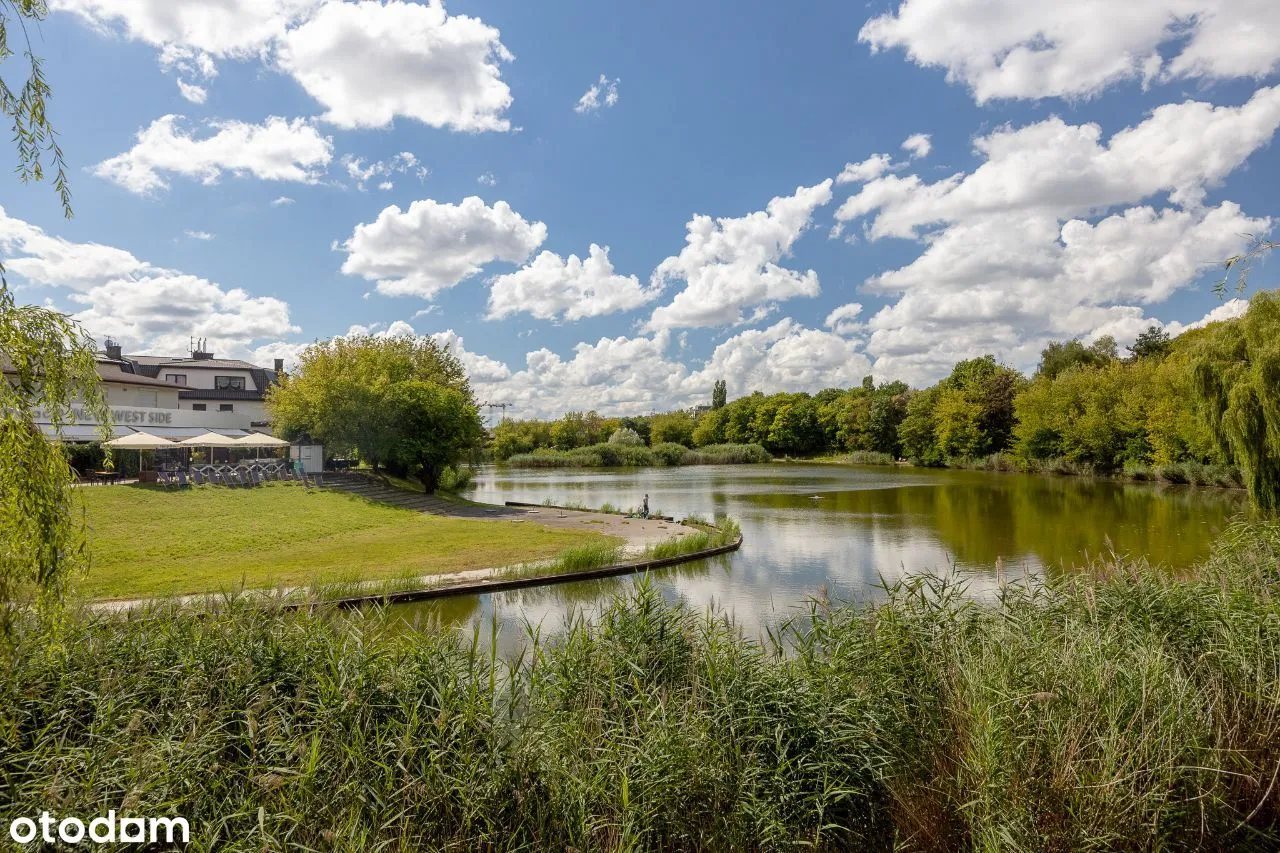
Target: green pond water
(813, 529)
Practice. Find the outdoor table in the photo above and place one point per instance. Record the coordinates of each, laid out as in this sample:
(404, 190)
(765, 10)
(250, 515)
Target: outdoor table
(107, 477)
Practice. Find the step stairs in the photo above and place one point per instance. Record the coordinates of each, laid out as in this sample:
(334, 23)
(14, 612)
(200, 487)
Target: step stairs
(366, 486)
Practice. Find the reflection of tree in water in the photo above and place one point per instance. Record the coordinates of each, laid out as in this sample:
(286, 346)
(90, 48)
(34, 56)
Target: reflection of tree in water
(980, 517)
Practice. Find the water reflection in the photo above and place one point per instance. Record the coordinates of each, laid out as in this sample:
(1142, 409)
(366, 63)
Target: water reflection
(841, 529)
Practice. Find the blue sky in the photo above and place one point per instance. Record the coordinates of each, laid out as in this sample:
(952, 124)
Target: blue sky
(1082, 168)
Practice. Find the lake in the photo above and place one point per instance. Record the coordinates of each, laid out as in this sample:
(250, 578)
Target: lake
(814, 529)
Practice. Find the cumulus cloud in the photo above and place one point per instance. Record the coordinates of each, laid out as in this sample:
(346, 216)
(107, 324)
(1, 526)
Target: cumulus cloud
(843, 319)
(865, 170)
(732, 264)
(366, 62)
(604, 92)
(433, 246)
(281, 201)
(199, 235)
(1015, 49)
(549, 287)
(917, 145)
(1050, 236)
(370, 62)
(42, 259)
(404, 163)
(146, 307)
(277, 150)
(193, 32)
(487, 179)
(1229, 310)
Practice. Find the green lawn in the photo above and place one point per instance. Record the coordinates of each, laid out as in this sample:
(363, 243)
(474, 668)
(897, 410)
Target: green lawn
(147, 541)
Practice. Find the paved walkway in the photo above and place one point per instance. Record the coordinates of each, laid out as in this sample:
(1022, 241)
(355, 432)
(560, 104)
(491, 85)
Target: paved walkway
(636, 533)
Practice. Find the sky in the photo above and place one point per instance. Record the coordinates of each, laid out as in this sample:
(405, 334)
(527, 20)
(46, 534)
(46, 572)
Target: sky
(610, 206)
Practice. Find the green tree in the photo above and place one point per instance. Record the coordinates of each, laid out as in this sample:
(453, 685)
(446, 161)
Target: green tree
(1237, 387)
(626, 437)
(339, 394)
(432, 427)
(719, 394)
(673, 426)
(1153, 342)
(1060, 356)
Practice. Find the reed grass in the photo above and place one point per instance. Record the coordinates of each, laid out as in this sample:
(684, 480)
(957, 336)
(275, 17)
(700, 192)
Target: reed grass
(1119, 709)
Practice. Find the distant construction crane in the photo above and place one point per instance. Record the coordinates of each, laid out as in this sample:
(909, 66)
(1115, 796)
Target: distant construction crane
(501, 406)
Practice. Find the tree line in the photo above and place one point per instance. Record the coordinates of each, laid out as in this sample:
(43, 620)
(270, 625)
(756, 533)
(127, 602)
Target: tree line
(1210, 397)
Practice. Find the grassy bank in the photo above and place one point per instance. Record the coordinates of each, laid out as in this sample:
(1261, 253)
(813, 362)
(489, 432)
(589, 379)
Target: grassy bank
(606, 455)
(147, 541)
(1124, 710)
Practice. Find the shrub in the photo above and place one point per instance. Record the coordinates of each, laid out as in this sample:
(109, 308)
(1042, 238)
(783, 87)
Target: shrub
(670, 453)
(626, 436)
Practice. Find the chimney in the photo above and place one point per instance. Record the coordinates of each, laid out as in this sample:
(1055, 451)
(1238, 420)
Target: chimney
(279, 366)
(199, 353)
(113, 350)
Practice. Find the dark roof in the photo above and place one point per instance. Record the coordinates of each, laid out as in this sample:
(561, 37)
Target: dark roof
(111, 371)
(214, 394)
(223, 363)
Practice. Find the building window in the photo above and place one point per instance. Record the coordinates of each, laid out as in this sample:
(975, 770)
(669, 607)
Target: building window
(225, 407)
(228, 383)
(176, 378)
(197, 407)
(146, 399)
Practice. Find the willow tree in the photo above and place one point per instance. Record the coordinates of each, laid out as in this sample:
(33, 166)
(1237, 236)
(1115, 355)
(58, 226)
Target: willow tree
(48, 368)
(1237, 386)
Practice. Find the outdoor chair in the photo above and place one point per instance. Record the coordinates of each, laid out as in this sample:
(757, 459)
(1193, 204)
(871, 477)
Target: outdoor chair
(183, 482)
(196, 477)
(162, 477)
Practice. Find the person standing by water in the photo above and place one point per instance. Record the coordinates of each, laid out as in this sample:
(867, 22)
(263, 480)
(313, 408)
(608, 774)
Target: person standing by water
(644, 508)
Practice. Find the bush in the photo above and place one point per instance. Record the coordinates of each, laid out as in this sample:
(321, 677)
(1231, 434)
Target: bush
(670, 453)
(871, 457)
(626, 436)
(727, 454)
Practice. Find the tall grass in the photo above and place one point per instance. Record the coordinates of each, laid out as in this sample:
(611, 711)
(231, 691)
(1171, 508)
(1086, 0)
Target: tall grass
(1124, 710)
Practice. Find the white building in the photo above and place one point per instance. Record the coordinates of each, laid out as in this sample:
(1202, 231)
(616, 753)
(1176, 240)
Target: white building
(178, 396)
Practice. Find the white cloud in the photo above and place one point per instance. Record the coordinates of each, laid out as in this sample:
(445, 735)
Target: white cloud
(193, 31)
(1229, 310)
(433, 246)
(603, 92)
(1050, 237)
(550, 286)
(277, 150)
(917, 145)
(193, 93)
(731, 264)
(635, 375)
(371, 62)
(1019, 49)
(843, 319)
(487, 180)
(148, 308)
(199, 235)
(866, 170)
(1181, 149)
(160, 313)
(404, 163)
(41, 259)
(281, 201)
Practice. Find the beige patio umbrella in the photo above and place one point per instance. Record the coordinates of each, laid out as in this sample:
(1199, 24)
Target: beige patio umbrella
(140, 441)
(210, 440)
(260, 439)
